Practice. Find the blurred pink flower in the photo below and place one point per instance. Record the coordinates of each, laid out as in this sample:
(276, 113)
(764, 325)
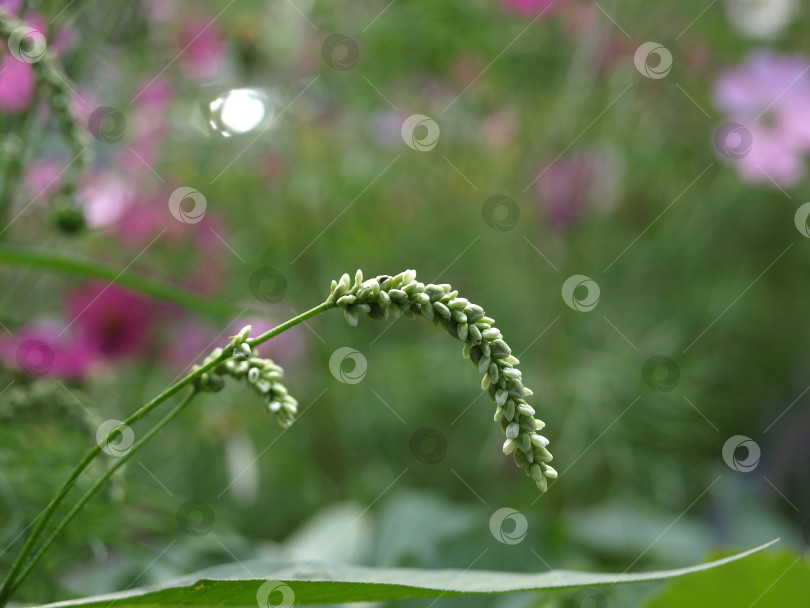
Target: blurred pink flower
(17, 81)
(112, 321)
(192, 339)
(44, 348)
(201, 45)
(43, 178)
(527, 8)
(106, 199)
(11, 6)
(499, 129)
(769, 95)
(17, 84)
(147, 129)
(571, 185)
(141, 222)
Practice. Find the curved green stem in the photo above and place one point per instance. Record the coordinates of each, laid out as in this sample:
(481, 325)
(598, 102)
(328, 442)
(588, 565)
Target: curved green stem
(45, 516)
(59, 262)
(95, 488)
(288, 324)
(22, 564)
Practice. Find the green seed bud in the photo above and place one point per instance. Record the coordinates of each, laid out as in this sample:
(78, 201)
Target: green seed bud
(462, 331)
(491, 334)
(483, 365)
(524, 409)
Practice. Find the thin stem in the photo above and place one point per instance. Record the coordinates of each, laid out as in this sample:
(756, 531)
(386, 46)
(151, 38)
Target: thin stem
(288, 324)
(59, 262)
(45, 516)
(14, 578)
(96, 486)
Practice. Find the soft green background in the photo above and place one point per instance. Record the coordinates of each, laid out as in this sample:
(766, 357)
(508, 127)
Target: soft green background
(647, 486)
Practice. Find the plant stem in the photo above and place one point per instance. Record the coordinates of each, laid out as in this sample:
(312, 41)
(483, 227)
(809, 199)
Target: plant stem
(22, 564)
(59, 262)
(95, 487)
(45, 516)
(287, 324)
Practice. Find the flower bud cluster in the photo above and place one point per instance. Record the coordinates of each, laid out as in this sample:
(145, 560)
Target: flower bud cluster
(482, 342)
(264, 376)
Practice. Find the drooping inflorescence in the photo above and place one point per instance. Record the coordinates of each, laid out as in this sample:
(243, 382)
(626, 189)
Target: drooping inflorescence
(483, 345)
(261, 374)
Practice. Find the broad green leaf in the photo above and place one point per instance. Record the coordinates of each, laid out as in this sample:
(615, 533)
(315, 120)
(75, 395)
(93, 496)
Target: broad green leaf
(767, 580)
(316, 583)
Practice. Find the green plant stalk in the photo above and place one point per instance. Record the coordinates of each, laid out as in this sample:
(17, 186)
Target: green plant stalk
(11, 581)
(95, 488)
(288, 324)
(13, 168)
(94, 270)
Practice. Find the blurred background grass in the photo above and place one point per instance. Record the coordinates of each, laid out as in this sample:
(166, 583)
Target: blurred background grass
(693, 263)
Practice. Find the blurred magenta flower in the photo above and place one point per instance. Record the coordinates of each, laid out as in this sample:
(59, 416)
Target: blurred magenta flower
(114, 322)
(769, 96)
(527, 8)
(44, 348)
(17, 80)
(201, 46)
(573, 185)
(11, 6)
(17, 84)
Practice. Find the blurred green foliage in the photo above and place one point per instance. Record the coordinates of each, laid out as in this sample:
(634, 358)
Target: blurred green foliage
(680, 247)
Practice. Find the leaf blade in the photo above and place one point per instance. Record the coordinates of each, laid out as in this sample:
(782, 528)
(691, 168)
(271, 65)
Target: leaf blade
(315, 583)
